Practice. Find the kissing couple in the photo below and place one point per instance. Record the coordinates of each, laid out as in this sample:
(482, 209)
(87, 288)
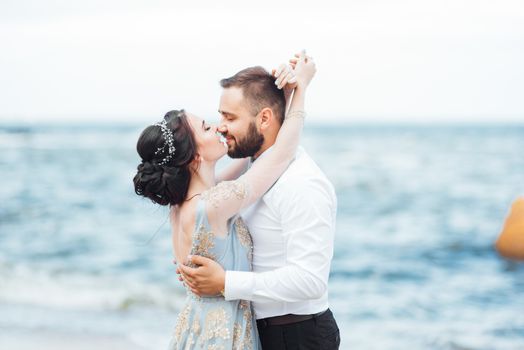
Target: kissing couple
(255, 242)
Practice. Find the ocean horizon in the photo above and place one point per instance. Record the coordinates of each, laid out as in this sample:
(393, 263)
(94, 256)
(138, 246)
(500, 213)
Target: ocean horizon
(419, 209)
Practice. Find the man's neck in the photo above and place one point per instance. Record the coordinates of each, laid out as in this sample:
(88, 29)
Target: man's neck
(265, 146)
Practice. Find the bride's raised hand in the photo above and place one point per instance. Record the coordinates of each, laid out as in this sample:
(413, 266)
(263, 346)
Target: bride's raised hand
(284, 77)
(304, 68)
(293, 61)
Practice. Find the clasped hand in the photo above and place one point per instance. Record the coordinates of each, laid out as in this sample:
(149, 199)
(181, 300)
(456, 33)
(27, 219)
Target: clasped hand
(208, 278)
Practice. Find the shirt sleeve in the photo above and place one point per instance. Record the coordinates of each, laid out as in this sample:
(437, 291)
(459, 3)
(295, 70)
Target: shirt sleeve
(307, 212)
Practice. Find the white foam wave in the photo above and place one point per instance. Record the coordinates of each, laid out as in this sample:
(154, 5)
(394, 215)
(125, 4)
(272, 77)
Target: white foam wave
(25, 285)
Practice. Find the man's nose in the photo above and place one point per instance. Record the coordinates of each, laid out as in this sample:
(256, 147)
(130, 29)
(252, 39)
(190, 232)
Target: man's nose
(222, 129)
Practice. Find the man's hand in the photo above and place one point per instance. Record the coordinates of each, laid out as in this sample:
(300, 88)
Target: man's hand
(206, 279)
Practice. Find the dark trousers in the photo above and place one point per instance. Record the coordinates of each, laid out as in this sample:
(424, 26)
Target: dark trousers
(319, 333)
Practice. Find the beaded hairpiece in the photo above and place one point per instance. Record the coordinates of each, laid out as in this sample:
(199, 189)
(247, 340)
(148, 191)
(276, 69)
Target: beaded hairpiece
(169, 142)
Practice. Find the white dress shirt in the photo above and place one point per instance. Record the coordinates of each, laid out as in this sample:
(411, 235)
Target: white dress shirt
(293, 228)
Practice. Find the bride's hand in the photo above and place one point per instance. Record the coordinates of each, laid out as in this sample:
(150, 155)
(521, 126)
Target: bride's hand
(286, 74)
(285, 77)
(293, 61)
(304, 68)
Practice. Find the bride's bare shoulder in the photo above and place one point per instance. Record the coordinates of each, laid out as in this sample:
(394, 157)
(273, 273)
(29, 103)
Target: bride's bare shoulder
(183, 216)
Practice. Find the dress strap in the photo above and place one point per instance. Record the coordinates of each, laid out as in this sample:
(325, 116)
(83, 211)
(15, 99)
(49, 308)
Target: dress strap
(201, 215)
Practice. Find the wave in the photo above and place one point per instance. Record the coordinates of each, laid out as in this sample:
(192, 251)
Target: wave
(76, 291)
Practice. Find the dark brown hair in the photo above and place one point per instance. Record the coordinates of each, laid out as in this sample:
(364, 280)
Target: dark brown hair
(167, 183)
(259, 89)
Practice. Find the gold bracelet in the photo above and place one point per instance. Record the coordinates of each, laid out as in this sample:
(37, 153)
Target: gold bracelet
(296, 114)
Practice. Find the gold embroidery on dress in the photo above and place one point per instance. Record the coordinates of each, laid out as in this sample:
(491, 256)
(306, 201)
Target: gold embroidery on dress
(182, 324)
(246, 306)
(247, 338)
(215, 325)
(215, 347)
(238, 343)
(203, 243)
(244, 237)
(195, 328)
(223, 191)
(190, 342)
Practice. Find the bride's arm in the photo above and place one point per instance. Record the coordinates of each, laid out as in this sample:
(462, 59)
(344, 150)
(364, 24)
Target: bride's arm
(229, 197)
(233, 170)
(239, 166)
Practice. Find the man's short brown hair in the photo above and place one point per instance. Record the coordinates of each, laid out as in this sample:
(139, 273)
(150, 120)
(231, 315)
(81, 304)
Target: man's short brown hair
(259, 89)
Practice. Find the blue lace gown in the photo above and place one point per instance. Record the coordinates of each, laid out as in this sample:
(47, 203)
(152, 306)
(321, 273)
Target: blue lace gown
(213, 322)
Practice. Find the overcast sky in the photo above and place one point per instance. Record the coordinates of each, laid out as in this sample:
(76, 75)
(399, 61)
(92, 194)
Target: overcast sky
(377, 60)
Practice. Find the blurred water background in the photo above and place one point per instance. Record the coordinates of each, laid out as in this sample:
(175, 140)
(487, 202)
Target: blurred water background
(414, 266)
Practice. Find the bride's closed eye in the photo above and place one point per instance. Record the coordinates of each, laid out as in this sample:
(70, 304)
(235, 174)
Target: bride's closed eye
(204, 126)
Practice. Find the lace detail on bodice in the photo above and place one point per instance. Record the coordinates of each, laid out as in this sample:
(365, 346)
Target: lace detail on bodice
(223, 191)
(244, 341)
(203, 243)
(244, 237)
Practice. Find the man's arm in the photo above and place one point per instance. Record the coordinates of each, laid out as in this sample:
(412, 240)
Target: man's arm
(307, 223)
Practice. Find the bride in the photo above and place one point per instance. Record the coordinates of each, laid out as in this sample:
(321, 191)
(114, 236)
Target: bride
(178, 158)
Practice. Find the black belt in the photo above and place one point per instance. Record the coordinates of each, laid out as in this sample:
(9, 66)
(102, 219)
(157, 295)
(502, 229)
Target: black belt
(286, 319)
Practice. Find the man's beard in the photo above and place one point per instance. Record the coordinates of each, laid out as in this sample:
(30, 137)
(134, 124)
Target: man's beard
(249, 145)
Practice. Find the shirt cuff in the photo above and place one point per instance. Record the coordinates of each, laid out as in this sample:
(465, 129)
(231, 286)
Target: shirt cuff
(239, 285)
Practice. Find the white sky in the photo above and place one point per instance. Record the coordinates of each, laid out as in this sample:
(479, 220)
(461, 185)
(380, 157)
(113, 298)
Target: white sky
(377, 60)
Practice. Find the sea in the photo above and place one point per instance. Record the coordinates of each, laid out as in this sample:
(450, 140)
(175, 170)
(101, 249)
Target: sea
(419, 209)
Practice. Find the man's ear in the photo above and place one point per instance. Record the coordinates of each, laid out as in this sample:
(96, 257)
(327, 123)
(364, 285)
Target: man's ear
(266, 119)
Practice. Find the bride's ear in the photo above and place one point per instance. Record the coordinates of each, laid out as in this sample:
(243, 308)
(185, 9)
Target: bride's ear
(195, 163)
(266, 118)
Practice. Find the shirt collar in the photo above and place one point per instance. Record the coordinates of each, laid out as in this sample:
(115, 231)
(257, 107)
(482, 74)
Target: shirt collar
(269, 150)
(263, 154)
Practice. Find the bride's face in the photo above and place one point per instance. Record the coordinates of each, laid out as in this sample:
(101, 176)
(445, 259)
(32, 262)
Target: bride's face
(209, 145)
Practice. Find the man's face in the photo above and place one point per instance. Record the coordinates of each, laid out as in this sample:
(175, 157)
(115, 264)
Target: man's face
(238, 124)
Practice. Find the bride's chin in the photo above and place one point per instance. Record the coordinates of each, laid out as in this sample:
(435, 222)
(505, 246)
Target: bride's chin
(222, 154)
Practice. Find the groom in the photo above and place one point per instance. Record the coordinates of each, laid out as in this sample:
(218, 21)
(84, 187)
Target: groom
(292, 226)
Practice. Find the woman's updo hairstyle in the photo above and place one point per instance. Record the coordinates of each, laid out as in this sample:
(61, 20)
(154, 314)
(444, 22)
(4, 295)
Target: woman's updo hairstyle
(165, 182)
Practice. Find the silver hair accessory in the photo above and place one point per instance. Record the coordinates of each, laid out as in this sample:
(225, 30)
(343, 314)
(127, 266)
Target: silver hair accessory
(169, 142)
